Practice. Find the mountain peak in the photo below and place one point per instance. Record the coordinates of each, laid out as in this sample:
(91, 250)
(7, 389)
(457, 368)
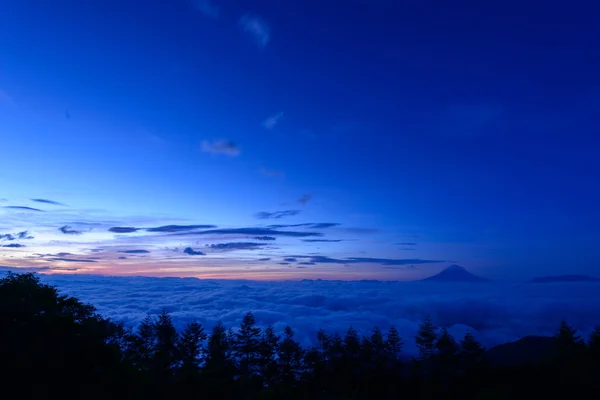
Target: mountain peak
(455, 267)
(455, 273)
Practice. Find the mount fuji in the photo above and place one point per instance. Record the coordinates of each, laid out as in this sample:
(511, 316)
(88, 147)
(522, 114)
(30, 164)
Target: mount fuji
(455, 273)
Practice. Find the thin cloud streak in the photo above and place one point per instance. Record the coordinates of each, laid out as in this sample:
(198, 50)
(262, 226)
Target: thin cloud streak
(250, 232)
(23, 208)
(207, 8)
(272, 172)
(257, 28)
(225, 147)
(276, 214)
(273, 120)
(46, 201)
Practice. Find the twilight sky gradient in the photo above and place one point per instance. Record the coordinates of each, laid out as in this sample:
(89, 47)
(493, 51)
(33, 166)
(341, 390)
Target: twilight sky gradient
(374, 139)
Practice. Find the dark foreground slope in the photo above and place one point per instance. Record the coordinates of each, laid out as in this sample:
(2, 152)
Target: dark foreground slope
(54, 346)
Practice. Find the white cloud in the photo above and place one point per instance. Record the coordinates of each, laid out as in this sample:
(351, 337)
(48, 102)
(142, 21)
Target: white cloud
(255, 26)
(226, 147)
(273, 120)
(207, 8)
(495, 312)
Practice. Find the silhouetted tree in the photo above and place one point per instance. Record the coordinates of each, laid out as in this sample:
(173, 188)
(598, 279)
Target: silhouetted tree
(446, 358)
(247, 344)
(144, 344)
(52, 340)
(269, 345)
(167, 339)
(426, 339)
(472, 353)
(191, 347)
(566, 336)
(393, 344)
(446, 348)
(217, 349)
(324, 344)
(351, 351)
(594, 345)
(569, 344)
(290, 356)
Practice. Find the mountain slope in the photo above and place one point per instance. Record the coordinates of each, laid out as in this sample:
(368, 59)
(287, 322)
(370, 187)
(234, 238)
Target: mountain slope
(455, 273)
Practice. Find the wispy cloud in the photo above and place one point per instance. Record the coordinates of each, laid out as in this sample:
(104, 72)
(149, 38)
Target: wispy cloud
(68, 230)
(273, 120)
(225, 147)
(322, 240)
(123, 229)
(251, 232)
(14, 245)
(305, 199)
(265, 238)
(313, 225)
(207, 8)
(45, 201)
(14, 236)
(179, 228)
(255, 26)
(237, 246)
(134, 251)
(192, 252)
(406, 244)
(276, 214)
(365, 260)
(73, 260)
(23, 208)
(271, 172)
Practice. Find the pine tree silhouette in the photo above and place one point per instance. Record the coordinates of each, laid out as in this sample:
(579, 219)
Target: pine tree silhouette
(472, 353)
(290, 356)
(191, 347)
(269, 345)
(247, 344)
(426, 339)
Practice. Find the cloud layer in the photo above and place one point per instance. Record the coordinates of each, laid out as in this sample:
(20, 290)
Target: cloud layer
(495, 312)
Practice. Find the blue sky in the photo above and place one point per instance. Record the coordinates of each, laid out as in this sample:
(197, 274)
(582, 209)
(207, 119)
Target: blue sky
(431, 133)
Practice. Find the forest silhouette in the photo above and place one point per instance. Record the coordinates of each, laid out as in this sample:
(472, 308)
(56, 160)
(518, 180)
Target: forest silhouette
(58, 346)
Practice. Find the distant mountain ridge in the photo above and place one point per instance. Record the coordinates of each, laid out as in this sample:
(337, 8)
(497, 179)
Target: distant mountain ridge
(455, 273)
(564, 278)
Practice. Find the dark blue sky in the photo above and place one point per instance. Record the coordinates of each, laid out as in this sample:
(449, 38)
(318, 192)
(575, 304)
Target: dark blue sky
(469, 131)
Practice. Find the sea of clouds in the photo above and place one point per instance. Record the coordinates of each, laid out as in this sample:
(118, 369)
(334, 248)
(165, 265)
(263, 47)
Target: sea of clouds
(494, 312)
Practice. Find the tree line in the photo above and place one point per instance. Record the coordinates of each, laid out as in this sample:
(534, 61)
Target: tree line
(63, 347)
